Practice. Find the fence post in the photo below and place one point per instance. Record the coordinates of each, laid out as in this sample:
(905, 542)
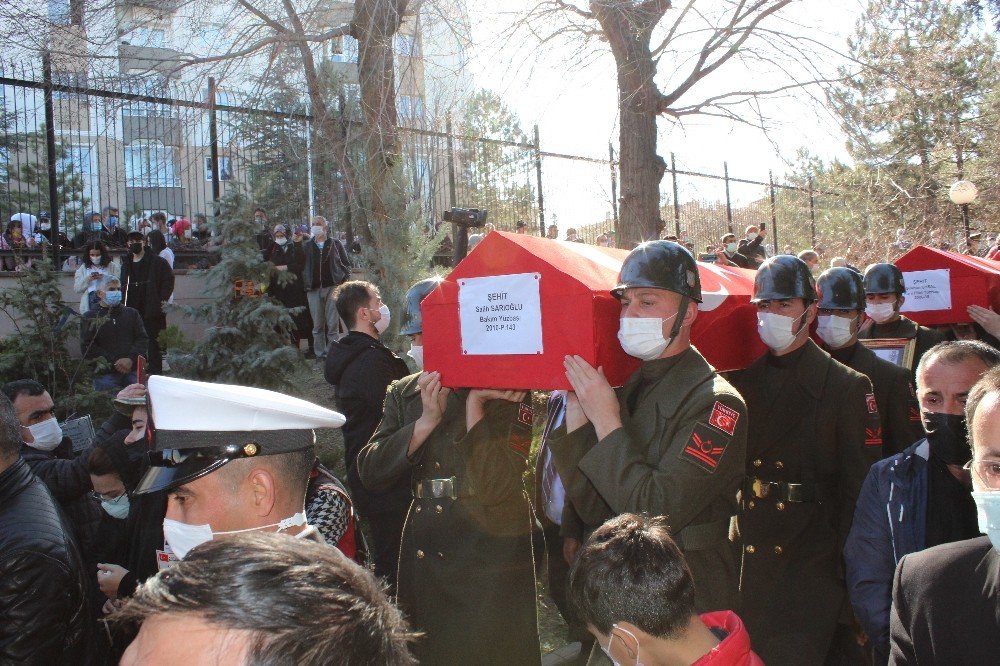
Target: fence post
(213, 139)
(614, 188)
(538, 176)
(774, 211)
(50, 157)
(729, 201)
(677, 204)
(812, 212)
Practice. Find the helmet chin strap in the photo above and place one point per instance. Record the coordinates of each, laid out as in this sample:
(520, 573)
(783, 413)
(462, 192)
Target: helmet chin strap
(679, 319)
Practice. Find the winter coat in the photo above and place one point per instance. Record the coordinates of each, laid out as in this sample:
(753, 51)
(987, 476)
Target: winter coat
(159, 286)
(121, 334)
(43, 604)
(334, 252)
(890, 521)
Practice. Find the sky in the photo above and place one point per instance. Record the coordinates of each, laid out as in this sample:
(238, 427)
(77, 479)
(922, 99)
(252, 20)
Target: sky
(576, 107)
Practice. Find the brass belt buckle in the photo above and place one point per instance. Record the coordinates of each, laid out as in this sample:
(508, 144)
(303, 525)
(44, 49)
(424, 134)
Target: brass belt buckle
(760, 488)
(437, 487)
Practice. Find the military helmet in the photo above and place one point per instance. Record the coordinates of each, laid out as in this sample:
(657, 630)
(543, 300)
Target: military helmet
(884, 279)
(660, 264)
(412, 322)
(781, 277)
(840, 289)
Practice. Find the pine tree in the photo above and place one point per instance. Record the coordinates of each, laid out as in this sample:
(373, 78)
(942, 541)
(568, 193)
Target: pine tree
(40, 349)
(246, 338)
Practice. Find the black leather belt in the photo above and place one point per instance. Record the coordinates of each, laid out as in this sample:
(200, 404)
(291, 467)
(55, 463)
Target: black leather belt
(440, 488)
(780, 491)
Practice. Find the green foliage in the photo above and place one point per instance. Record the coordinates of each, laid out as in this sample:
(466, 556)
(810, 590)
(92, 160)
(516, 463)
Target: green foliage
(174, 339)
(41, 348)
(246, 338)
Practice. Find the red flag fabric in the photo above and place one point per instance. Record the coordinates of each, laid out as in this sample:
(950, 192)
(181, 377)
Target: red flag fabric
(941, 285)
(480, 327)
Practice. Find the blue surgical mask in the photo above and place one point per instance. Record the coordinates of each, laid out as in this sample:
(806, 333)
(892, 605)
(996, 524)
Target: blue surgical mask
(117, 508)
(97, 225)
(113, 298)
(113, 221)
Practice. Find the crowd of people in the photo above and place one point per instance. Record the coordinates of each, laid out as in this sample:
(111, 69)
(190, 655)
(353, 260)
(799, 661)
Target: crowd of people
(823, 505)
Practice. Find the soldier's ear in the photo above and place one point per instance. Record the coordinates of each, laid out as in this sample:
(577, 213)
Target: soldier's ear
(262, 485)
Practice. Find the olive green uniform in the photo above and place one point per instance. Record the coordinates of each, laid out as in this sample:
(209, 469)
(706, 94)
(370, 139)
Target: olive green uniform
(680, 454)
(813, 434)
(466, 576)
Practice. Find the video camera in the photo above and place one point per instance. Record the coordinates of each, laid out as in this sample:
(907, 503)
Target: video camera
(466, 217)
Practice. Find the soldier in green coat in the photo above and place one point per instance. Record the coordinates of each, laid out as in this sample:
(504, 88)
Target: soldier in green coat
(672, 442)
(466, 576)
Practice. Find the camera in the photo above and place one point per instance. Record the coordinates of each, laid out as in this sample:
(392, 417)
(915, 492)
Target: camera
(466, 217)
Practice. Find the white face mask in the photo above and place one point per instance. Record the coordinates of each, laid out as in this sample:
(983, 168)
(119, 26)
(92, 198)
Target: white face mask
(880, 312)
(731, 248)
(117, 508)
(642, 337)
(280, 241)
(383, 324)
(775, 330)
(182, 537)
(607, 649)
(47, 435)
(988, 505)
(417, 354)
(317, 231)
(834, 331)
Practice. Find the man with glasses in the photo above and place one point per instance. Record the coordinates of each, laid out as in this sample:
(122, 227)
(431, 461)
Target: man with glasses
(918, 498)
(944, 607)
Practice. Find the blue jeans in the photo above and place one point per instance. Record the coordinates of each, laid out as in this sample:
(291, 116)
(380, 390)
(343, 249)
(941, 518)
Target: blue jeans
(113, 381)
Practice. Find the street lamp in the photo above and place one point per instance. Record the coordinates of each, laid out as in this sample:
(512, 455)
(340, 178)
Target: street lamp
(963, 192)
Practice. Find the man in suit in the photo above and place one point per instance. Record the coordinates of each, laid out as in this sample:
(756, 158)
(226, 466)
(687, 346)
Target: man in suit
(884, 294)
(944, 607)
(813, 434)
(841, 296)
(672, 441)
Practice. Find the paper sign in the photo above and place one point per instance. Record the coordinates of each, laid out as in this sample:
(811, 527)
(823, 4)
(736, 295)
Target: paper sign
(500, 314)
(927, 290)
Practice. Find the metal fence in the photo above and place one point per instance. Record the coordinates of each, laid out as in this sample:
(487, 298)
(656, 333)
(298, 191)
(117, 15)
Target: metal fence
(73, 146)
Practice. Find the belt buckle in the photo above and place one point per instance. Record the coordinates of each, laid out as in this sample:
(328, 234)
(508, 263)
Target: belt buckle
(761, 489)
(437, 487)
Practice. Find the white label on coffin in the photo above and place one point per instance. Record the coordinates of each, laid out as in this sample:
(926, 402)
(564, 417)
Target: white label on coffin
(927, 290)
(500, 314)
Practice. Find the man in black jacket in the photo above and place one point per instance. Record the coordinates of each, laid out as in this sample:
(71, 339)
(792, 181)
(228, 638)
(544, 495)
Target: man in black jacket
(326, 266)
(944, 599)
(43, 601)
(147, 282)
(361, 368)
(115, 333)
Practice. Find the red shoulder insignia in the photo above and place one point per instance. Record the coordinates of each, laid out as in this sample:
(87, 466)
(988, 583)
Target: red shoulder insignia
(872, 405)
(705, 447)
(873, 436)
(914, 414)
(724, 418)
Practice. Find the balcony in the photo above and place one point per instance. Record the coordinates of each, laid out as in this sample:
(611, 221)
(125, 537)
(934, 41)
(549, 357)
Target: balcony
(133, 59)
(161, 6)
(165, 129)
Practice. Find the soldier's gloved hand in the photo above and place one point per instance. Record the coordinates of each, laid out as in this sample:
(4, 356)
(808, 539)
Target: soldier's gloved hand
(595, 394)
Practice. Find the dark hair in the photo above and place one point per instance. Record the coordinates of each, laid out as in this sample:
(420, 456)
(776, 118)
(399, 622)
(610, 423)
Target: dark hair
(14, 223)
(159, 216)
(301, 602)
(630, 570)
(157, 243)
(134, 235)
(10, 430)
(290, 469)
(987, 384)
(953, 352)
(101, 247)
(18, 387)
(259, 210)
(99, 463)
(353, 295)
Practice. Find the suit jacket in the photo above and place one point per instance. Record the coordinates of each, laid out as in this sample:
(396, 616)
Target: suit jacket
(818, 427)
(676, 455)
(898, 410)
(946, 606)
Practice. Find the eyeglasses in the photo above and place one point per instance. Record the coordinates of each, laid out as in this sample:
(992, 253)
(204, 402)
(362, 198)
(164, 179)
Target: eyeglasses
(988, 472)
(107, 497)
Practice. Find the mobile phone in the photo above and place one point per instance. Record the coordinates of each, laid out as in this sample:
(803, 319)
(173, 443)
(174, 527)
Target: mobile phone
(709, 258)
(763, 226)
(140, 370)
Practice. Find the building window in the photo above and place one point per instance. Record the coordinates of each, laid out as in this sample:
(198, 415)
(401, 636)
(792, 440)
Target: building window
(75, 157)
(407, 45)
(344, 48)
(149, 164)
(153, 85)
(70, 79)
(410, 106)
(149, 37)
(225, 169)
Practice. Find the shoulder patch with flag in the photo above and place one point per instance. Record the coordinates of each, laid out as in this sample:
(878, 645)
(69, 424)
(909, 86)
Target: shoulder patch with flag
(520, 432)
(705, 447)
(872, 405)
(724, 418)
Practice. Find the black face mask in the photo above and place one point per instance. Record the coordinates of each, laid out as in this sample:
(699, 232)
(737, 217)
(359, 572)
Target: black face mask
(136, 248)
(948, 437)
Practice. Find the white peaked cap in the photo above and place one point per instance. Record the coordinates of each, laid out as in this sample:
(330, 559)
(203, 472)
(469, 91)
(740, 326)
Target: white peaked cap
(183, 404)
